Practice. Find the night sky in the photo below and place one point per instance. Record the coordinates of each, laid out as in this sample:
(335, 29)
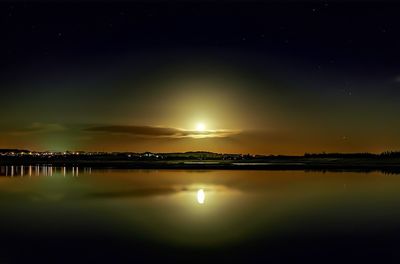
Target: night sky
(263, 78)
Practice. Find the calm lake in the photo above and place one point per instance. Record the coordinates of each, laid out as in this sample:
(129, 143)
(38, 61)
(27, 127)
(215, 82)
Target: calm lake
(63, 214)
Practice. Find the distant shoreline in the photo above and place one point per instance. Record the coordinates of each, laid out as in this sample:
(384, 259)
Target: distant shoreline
(387, 162)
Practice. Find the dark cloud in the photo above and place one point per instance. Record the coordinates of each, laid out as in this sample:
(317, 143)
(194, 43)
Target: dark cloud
(136, 130)
(155, 131)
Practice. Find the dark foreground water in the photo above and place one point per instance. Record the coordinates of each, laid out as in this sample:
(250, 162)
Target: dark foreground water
(84, 215)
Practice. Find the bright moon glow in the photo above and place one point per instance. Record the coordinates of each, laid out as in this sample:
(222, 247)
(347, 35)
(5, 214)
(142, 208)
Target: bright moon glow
(201, 196)
(200, 127)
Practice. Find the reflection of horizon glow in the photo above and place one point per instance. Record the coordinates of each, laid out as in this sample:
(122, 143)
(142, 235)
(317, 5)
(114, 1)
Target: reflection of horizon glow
(201, 196)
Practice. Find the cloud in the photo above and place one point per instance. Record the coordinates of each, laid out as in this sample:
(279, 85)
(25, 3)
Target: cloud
(160, 132)
(37, 128)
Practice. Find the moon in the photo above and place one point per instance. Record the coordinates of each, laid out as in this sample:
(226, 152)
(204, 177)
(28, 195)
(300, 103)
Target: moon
(200, 127)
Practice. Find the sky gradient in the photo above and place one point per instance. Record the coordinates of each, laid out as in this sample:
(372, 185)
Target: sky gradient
(264, 78)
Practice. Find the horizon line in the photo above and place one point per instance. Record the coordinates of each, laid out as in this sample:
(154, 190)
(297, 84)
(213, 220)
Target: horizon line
(4, 150)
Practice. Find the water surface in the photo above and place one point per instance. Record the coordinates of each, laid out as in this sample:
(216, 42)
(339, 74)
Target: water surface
(63, 214)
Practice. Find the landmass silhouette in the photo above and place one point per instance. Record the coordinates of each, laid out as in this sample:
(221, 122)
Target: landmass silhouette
(387, 162)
